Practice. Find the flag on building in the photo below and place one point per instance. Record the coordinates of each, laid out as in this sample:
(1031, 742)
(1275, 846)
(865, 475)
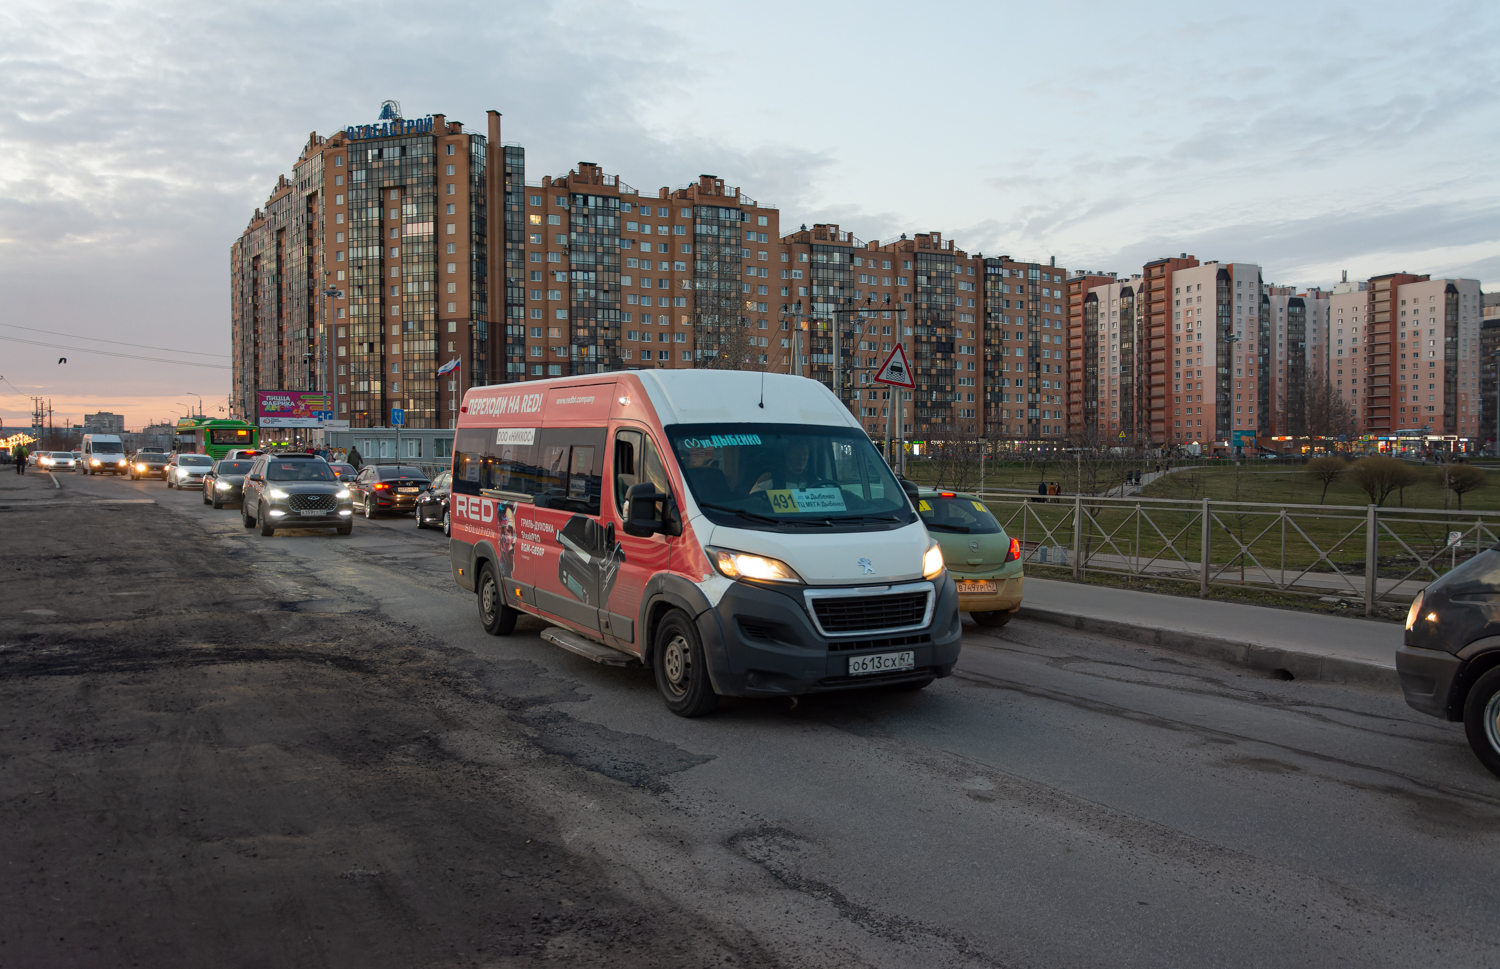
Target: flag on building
(448, 367)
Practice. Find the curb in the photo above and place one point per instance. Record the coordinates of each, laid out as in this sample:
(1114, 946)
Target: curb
(1302, 665)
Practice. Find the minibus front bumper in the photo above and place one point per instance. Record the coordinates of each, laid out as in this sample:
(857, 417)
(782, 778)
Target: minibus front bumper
(762, 640)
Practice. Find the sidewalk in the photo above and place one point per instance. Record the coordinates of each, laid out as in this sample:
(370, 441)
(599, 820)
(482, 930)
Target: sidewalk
(1306, 645)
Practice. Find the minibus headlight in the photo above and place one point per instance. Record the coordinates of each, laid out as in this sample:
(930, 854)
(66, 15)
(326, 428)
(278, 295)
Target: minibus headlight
(932, 562)
(94, 462)
(743, 565)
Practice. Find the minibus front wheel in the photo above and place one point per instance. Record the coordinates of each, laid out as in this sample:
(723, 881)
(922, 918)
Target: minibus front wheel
(682, 668)
(498, 618)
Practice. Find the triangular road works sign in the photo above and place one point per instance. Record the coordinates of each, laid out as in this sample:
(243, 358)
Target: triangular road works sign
(895, 370)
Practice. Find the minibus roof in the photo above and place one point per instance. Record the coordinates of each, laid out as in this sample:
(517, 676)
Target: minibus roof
(678, 397)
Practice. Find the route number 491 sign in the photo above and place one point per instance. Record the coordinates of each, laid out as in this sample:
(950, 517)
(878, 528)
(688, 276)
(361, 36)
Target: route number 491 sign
(895, 371)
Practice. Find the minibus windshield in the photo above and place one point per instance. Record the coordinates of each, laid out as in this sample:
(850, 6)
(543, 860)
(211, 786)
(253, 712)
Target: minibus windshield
(788, 476)
(108, 447)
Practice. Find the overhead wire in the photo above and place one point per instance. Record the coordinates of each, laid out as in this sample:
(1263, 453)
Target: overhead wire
(120, 343)
(111, 353)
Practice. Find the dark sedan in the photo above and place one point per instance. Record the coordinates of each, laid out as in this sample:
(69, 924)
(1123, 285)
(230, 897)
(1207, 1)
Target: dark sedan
(225, 484)
(148, 464)
(432, 505)
(388, 488)
(344, 472)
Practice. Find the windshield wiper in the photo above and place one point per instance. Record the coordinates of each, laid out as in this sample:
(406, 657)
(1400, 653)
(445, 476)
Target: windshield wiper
(742, 513)
(864, 518)
(948, 528)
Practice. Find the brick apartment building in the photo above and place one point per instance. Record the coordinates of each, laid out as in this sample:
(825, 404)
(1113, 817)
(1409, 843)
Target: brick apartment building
(394, 217)
(598, 276)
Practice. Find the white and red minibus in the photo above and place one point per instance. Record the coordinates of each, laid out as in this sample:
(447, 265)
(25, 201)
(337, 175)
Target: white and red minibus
(736, 532)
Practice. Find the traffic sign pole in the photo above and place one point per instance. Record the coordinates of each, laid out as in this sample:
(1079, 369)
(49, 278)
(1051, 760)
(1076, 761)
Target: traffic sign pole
(896, 372)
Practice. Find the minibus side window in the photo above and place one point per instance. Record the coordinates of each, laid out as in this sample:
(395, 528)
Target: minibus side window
(566, 475)
(627, 450)
(470, 473)
(637, 460)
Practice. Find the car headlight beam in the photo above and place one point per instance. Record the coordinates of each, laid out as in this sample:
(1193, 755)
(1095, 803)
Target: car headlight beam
(932, 561)
(277, 493)
(1415, 610)
(743, 565)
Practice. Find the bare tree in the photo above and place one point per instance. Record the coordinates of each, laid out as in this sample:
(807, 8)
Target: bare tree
(1326, 412)
(1325, 471)
(954, 460)
(1461, 479)
(1379, 475)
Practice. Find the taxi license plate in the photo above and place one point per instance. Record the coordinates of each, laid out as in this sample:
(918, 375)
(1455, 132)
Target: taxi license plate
(971, 586)
(882, 663)
(314, 513)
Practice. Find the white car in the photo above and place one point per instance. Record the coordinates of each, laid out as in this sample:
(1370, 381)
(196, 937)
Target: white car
(188, 470)
(58, 461)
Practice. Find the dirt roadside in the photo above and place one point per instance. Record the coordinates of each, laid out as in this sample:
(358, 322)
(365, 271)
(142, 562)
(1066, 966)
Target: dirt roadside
(195, 770)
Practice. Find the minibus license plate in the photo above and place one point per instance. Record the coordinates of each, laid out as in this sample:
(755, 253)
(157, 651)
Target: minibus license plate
(971, 586)
(882, 663)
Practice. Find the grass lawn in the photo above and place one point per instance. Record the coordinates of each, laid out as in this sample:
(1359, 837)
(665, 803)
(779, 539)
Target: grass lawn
(1292, 486)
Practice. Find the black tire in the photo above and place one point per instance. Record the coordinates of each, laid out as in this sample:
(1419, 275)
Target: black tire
(913, 685)
(346, 529)
(681, 668)
(245, 515)
(169, 482)
(217, 504)
(206, 499)
(497, 618)
(418, 516)
(1482, 720)
(992, 620)
(447, 525)
(266, 528)
(369, 508)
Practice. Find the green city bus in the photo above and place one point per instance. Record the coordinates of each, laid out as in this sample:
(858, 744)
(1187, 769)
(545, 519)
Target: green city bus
(215, 437)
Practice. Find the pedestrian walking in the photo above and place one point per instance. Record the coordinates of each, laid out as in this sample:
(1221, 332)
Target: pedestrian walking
(355, 461)
(1041, 489)
(18, 454)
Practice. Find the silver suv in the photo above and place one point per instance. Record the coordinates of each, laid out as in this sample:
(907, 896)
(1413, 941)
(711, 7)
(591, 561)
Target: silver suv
(295, 491)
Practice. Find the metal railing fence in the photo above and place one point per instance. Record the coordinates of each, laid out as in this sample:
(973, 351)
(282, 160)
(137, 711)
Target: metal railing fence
(1368, 555)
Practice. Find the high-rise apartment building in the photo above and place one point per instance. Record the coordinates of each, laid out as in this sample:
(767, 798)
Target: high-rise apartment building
(394, 218)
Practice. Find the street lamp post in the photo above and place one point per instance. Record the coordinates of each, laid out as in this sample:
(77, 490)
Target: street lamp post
(326, 358)
(793, 315)
(200, 400)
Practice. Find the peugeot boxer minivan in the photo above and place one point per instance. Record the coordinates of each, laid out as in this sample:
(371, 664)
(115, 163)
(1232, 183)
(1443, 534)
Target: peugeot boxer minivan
(103, 454)
(736, 532)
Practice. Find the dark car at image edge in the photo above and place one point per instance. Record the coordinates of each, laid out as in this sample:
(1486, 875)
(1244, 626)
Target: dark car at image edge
(1449, 663)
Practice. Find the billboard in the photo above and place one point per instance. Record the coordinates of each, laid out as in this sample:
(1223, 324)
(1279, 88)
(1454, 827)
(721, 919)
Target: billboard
(290, 408)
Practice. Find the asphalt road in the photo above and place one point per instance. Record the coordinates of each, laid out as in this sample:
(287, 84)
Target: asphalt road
(1062, 800)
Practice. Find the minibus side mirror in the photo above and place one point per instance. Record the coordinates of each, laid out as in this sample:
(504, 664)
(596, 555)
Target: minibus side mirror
(641, 502)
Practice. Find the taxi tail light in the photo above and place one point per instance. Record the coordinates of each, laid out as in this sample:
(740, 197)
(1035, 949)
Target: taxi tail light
(381, 486)
(1014, 552)
(946, 494)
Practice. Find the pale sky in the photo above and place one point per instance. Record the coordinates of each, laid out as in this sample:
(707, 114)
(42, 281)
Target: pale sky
(136, 139)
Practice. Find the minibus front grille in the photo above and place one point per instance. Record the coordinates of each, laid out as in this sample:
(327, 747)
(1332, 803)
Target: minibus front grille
(840, 616)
